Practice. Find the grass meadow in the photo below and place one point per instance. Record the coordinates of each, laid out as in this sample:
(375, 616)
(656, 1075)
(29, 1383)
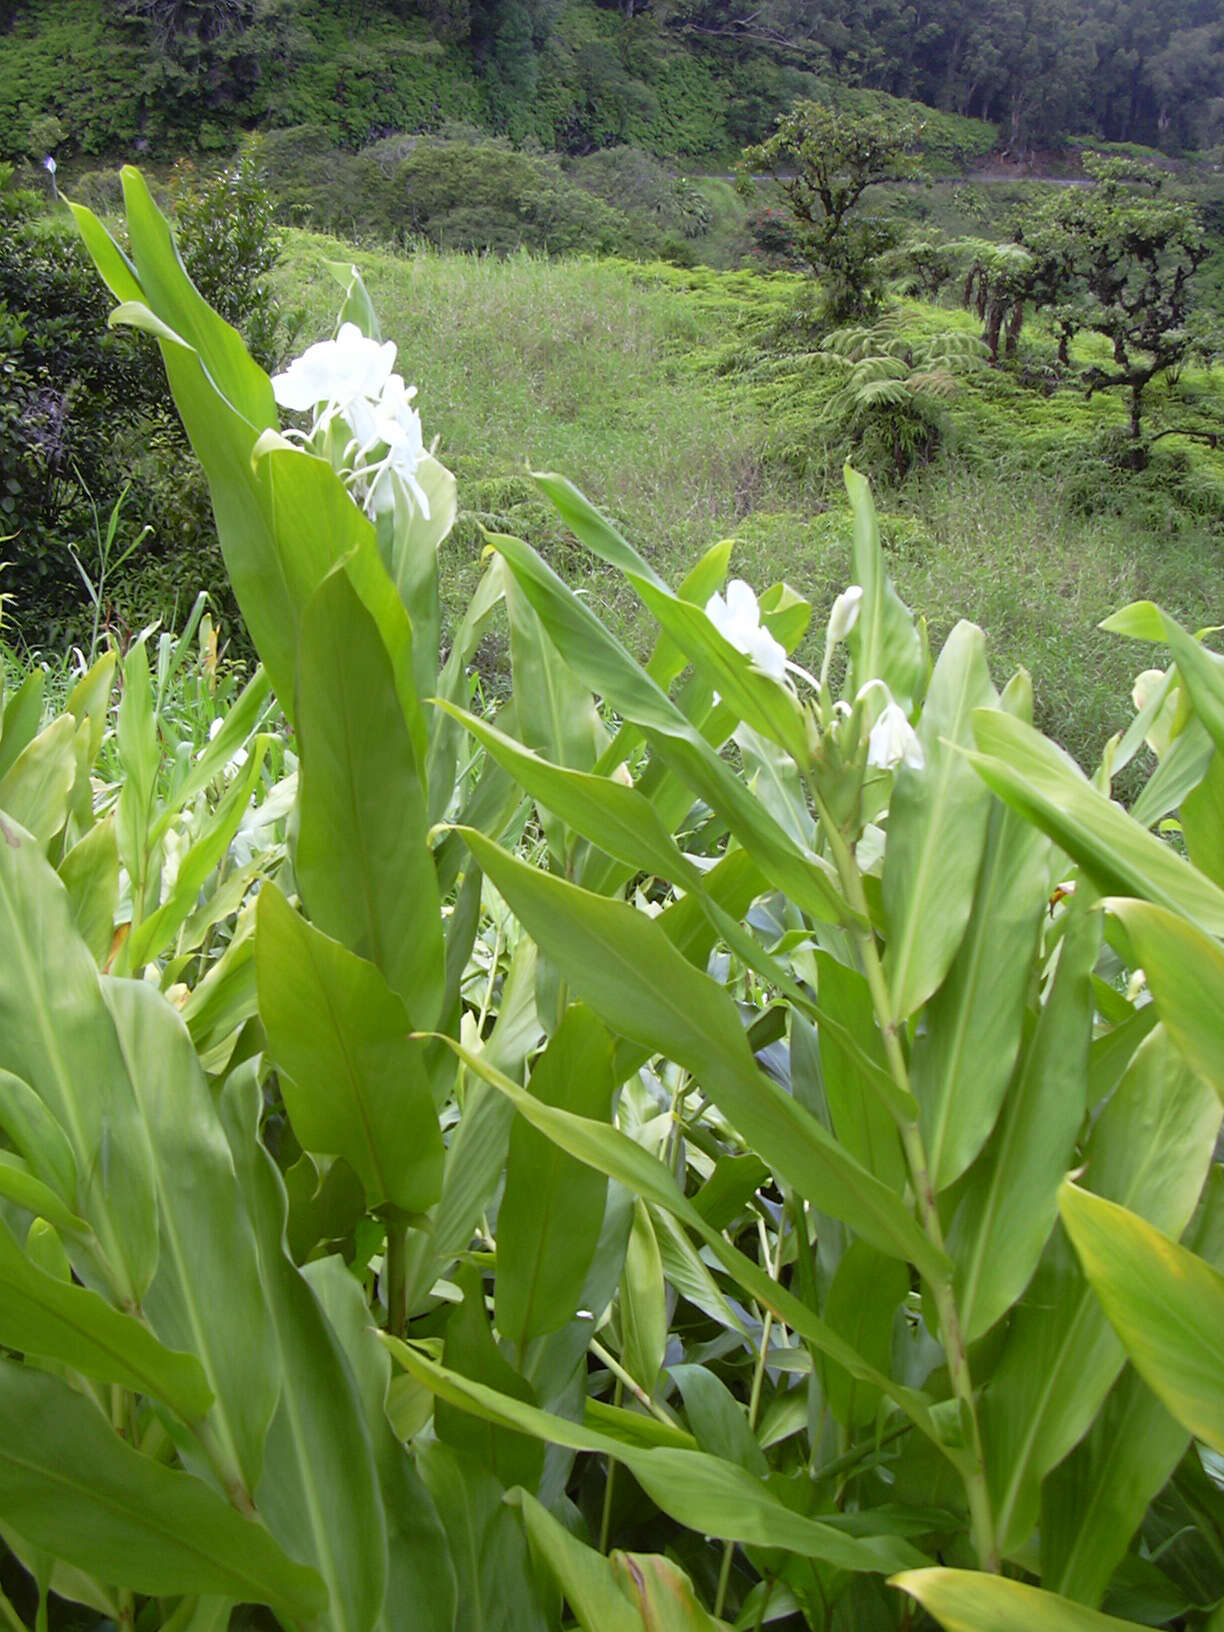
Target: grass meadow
(685, 404)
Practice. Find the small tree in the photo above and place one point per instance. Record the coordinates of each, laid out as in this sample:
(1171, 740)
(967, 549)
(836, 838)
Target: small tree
(1132, 252)
(823, 160)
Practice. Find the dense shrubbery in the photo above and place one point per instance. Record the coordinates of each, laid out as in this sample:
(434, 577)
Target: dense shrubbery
(86, 413)
(549, 1169)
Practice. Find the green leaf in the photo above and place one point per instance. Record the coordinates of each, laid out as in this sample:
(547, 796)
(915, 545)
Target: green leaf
(319, 1492)
(44, 1316)
(1185, 971)
(420, 1573)
(709, 1495)
(21, 719)
(154, 934)
(1202, 819)
(206, 1295)
(552, 1210)
(884, 643)
(79, 1492)
(619, 819)
(610, 1151)
(963, 1061)
(968, 1601)
(1041, 782)
(38, 1136)
(1092, 1504)
(90, 874)
(624, 966)
(643, 1303)
(498, 1591)
(862, 1300)
(35, 789)
(514, 1458)
(717, 1418)
(936, 830)
(602, 663)
(56, 1033)
(355, 1083)
(362, 856)
(1150, 1150)
(1165, 1303)
(1010, 1200)
(584, 1576)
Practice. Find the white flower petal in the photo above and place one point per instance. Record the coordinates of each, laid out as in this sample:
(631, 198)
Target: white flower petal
(844, 614)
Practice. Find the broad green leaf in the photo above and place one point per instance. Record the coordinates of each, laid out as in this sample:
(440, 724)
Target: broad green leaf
(1092, 1504)
(866, 1290)
(584, 1576)
(663, 1593)
(1178, 774)
(1149, 1151)
(850, 1055)
(21, 718)
(1202, 671)
(33, 1131)
(35, 789)
(624, 966)
(1185, 971)
(709, 1495)
(136, 740)
(90, 874)
(1010, 1200)
(498, 1591)
(206, 1295)
(969, 1601)
(420, 1579)
(44, 1316)
(1202, 819)
(643, 1303)
(1041, 782)
(620, 820)
(355, 1083)
(603, 664)
(362, 857)
(77, 1490)
(1165, 1303)
(963, 1061)
(23, 1189)
(610, 1151)
(718, 1420)
(687, 1274)
(57, 1035)
(936, 829)
(319, 1492)
(552, 1210)
(513, 1457)
(884, 643)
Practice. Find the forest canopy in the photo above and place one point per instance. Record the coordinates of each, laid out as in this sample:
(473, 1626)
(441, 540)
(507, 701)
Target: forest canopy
(1130, 71)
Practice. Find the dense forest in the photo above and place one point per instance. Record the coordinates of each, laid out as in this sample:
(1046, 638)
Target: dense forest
(688, 77)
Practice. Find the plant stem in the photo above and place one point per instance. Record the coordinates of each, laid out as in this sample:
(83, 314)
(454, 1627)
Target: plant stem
(955, 1349)
(625, 1381)
(754, 1405)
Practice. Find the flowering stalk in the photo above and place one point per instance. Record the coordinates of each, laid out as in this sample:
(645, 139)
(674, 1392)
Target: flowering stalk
(955, 1349)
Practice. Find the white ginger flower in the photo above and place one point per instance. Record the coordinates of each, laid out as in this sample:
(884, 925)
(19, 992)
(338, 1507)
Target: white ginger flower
(892, 741)
(340, 375)
(738, 621)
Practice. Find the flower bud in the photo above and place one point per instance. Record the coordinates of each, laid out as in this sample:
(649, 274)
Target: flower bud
(845, 613)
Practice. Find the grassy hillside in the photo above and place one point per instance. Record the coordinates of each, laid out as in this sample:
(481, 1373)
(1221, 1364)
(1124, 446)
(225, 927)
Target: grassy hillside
(685, 403)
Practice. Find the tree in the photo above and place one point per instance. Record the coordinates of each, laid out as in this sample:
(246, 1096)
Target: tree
(1132, 252)
(823, 160)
